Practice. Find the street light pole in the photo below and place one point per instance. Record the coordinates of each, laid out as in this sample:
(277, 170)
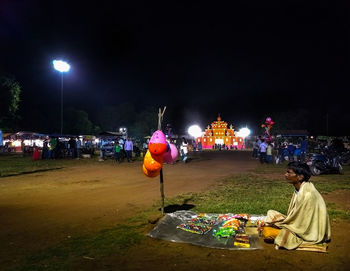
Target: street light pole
(62, 67)
(61, 103)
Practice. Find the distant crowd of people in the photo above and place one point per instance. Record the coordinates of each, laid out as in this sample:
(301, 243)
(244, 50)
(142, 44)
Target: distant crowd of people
(270, 152)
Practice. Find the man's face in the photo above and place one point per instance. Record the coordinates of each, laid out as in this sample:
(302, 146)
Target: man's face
(292, 177)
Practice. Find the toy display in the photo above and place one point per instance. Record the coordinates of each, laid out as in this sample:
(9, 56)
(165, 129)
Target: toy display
(242, 240)
(198, 225)
(223, 226)
(225, 231)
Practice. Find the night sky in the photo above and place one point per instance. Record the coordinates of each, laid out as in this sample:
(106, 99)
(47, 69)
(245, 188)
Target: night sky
(246, 60)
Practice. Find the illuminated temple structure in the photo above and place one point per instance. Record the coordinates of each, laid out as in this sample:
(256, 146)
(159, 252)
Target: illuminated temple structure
(218, 134)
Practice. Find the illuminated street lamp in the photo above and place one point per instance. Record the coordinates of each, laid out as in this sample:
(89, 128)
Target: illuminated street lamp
(62, 67)
(123, 131)
(195, 131)
(244, 132)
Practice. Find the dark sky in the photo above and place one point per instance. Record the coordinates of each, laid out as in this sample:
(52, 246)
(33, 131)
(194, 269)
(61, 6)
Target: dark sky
(198, 58)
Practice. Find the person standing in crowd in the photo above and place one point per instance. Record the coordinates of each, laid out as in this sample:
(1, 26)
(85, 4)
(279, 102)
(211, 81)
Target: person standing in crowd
(78, 147)
(258, 145)
(52, 150)
(45, 153)
(117, 153)
(184, 150)
(72, 146)
(262, 151)
(128, 147)
(145, 147)
(36, 153)
(303, 149)
(255, 149)
(269, 153)
(22, 147)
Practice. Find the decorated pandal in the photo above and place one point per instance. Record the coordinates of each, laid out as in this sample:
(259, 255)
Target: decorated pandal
(217, 134)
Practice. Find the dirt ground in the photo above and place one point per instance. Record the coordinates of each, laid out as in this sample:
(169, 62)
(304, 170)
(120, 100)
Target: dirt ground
(41, 209)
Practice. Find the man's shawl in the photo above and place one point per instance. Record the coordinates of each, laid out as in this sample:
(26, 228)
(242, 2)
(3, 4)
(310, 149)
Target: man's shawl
(307, 221)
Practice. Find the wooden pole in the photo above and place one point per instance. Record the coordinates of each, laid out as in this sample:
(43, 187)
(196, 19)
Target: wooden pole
(161, 181)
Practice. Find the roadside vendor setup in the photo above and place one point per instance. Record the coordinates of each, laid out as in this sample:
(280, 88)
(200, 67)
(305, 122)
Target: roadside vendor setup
(225, 231)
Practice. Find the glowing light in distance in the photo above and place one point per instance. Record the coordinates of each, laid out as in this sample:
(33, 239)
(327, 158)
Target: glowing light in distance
(243, 132)
(61, 66)
(195, 131)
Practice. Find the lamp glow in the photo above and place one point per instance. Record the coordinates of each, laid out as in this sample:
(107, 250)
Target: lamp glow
(243, 132)
(195, 131)
(61, 66)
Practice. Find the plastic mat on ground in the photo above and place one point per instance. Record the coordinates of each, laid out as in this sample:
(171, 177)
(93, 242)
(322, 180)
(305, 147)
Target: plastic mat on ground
(224, 231)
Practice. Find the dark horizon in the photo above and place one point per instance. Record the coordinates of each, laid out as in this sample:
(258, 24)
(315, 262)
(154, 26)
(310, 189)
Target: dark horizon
(246, 62)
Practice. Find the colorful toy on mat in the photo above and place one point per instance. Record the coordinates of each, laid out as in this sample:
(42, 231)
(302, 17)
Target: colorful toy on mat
(232, 223)
(224, 217)
(242, 216)
(223, 232)
(193, 227)
(241, 240)
(157, 144)
(204, 220)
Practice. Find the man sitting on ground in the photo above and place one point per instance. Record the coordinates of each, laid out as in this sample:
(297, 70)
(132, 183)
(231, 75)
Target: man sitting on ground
(306, 225)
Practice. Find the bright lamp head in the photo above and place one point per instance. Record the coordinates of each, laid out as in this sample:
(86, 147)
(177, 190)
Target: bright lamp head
(61, 66)
(244, 132)
(195, 131)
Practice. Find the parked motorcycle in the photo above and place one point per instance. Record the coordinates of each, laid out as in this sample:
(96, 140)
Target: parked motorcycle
(345, 158)
(320, 163)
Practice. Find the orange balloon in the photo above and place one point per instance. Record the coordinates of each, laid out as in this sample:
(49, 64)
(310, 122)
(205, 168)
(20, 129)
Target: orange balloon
(152, 162)
(157, 148)
(148, 173)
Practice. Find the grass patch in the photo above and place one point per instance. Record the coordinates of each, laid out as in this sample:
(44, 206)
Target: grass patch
(253, 193)
(15, 164)
(69, 252)
(256, 193)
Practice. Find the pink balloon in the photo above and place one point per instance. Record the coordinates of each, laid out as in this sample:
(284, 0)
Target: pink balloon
(268, 119)
(157, 144)
(171, 155)
(158, 137)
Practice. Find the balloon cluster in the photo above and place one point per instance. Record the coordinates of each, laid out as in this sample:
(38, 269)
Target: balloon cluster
(159, 151)
(268, 125)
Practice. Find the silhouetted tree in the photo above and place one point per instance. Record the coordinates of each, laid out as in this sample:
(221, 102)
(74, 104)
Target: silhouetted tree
(77, 122)
(10, 91)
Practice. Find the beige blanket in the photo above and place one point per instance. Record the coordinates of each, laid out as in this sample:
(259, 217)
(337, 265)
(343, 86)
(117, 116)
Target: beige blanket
(306, 223)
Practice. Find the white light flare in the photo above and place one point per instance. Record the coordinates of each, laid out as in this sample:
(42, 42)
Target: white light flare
(195, 131)
(61, 66)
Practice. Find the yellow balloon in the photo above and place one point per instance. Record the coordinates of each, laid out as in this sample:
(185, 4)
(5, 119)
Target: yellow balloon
(152, 163)
(148, 173)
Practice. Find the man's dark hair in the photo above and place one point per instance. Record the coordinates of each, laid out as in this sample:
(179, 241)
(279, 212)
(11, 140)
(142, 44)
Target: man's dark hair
(300, 169)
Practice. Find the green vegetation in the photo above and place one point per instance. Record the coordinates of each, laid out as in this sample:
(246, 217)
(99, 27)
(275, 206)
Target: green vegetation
(15, 164)
(10, 91)
(70, 251)
(253, 193)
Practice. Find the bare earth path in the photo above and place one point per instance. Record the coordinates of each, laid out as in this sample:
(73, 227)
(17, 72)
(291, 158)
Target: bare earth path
(40, 209)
